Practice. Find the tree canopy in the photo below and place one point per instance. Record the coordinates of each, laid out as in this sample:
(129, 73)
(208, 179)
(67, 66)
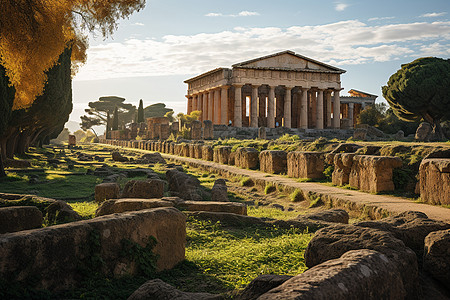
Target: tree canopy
(421, 90)
(34, 33)
(156, 110)
(140, 116)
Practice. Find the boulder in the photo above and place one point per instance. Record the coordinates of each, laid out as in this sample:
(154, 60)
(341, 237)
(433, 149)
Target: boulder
(184, 185)
(358, 274)
(246, 158)
(105, 191)
(424, 132)
(373, 174)
(153, 158)
(116, 156)
(156, 289)
(436, 260)
(114, 206)
(146, 189)
(226, 207)
(17, 218)
(219, 191)
(61, 212)
(273, 161)
(360, 134)
(51, 258)
(434, 174)
(411, 227)
(330, 215)
(332, 242)
(302, 164)
(261, 285)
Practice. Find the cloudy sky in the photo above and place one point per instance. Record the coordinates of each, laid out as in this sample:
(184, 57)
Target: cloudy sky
(171, 40)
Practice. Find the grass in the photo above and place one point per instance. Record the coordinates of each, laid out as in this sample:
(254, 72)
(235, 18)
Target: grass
(296, 196)
(85, 209)
(247, 181)
(270, 188)
(271, 212)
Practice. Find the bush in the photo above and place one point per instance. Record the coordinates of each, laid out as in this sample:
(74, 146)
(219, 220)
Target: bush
(328, 172)
(270, 188)
(297, 196)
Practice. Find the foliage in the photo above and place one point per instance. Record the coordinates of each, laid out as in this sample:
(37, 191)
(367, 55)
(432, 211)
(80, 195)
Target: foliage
(421, 90)
(63, 137)
(296, 196)
(269, 188)
(189, 118)
(144, 257)
(140, 117)
(156, 110)
(288, 138)
(169, 115)
(247, 181)
(328, 172)
(372, 115)
(86, 209)
(34, 33)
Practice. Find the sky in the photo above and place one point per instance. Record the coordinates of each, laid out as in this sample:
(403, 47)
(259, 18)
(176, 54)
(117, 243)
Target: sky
(156, 49)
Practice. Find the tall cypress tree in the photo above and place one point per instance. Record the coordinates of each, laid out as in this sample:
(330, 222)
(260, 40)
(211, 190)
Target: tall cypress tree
(115, 122)
(140, 117)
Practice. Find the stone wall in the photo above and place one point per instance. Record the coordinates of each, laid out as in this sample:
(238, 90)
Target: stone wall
(435, 181)
(302, 164)
(273, 161)
(246, 158)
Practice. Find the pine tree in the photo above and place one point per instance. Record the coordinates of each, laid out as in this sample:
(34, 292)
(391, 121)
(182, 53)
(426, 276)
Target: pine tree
(140, 118)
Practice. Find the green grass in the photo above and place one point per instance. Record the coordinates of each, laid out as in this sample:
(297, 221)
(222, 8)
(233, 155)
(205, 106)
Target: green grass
(271, 212)
(270, 188)
(296, 196)
(85, 209)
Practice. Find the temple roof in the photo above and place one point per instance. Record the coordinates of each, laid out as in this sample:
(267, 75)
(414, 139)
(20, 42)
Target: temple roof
(357, 93)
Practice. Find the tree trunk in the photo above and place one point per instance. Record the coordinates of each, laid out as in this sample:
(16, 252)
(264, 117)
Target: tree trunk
(11, 145)
(436, 124)
(2, 168)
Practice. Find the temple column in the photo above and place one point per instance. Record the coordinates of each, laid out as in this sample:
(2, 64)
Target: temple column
(350, 113)
(194, 102)
(336, 110)
(313, 108)
(319, 115)
(210, 105)
(204, 106)
(271, 108)
(328, 99)
(287, 107)
(304, 109)
(216, 107)
(238, 105)
(224, 105)
(189, 104)
(254, 107)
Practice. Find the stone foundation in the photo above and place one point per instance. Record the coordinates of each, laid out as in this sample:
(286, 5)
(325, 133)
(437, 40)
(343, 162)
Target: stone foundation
(305, 164)
(435, 181)
(247, 158)
(274, 162)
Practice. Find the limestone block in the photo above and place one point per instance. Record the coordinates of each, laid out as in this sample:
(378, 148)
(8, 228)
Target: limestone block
(261, 285)
(211, 206)
(196, 130)
(72, 140)
(302, 164)
(207, 153)
(436, 260)
(222, 154)
(273, 161)
(435, 181)
(262, 133)
(208, 132)
(219, 191)
(17, 218)
(184, 185)
(59, 211)
(164, 131)
(114, 206)
(185, 150)
(191, 150)
(424, 132)
(106, 191)
(342, 167)
(232, 158)
(373, 173)
(247, 158)
(146, 189)
(357, 274)
(50, 258)
(171, 148)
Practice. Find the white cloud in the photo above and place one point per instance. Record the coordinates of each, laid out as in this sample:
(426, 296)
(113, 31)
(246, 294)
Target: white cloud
(213, 15)
(340, 6)
(138, 24)
(243, 13)
(342, 43)
(380, 18)
(433, 15)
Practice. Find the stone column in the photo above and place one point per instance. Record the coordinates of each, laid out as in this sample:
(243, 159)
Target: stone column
(238, 105)
(271, 108)
(189, 104)
(304, 109)
(336, 110)
(216, 107)
(205, 106)
(287, 107)
(194, 102)
(319, 116)
(211, 105)
(350, 113)
(224, 105)
(328, 99)
(313, 108)
(254, 107)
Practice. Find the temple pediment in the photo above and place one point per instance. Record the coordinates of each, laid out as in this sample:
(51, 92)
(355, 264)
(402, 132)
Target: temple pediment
(286, 60)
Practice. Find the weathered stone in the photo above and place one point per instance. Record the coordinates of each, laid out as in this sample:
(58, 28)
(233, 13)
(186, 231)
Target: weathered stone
(373, 173)
(17, 163)
(208, 130)
(232, 158)
(435, 181)
(207, 153)
(105, 191)
(191, 150)
(145, 189)
(226, 207)
(222, 154)
(305, 164)
(17, 218)
(164, 132)
(219, 191)
(123, 205)
(436, 259)
(185, 150)
(358, 274)
(116, 156)
(227, 219)
(424, 132)
(157, 289)
(184, 185)
(331, 242)
(72, 140)
(369, 150)
(261, 285)
(50, 258)
(196, 130)
(153, 158)
(360, 134)
(262, 133)
(59, 211)
(246, 158)
(273, 161)
(331, 215)
(342, 167)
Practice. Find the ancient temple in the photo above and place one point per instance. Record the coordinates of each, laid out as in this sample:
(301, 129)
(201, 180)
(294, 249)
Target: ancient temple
(351, 106)
(282, 89)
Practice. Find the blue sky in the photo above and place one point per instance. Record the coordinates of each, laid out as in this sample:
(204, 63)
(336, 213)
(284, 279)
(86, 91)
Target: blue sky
(171, 40)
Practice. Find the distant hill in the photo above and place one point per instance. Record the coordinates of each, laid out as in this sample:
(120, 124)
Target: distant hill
(72, 126)
(156, 110)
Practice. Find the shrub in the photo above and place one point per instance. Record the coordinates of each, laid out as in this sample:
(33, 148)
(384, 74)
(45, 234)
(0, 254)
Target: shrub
(270, 188)
(328, 172)
(297, 196)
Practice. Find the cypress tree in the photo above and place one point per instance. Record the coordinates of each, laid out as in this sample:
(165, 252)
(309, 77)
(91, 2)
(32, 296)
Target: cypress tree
(115, 122)
(140, 117)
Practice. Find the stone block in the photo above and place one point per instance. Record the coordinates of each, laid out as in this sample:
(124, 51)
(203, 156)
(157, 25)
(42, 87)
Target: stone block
(435, 181)
(373, 173)
(184, 185)
(146, 189)
(198, 151)
(305, 164)
(191, 151)
(50, 258)
(342, 167)
(436, 259)
(219, 191)
(196, 130)
(164, 131)
(208, 130)
(222, 154)
(17, 218)
(262, 133)
(207, 153)
(247, 158)
(185, 150)
(261, 285)
(211, 206)
(72, 140)
(106, 191)
(123, 205)
(273, 161)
